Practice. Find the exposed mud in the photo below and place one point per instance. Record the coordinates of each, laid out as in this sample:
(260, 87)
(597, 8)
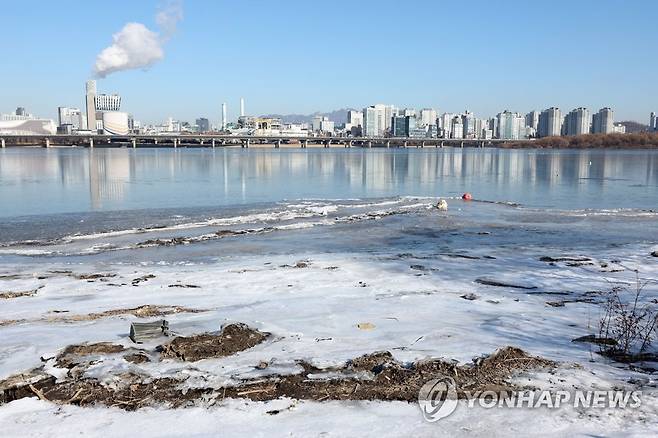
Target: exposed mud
(232, 339)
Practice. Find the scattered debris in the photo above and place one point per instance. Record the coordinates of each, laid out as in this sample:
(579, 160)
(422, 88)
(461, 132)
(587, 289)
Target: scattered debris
(25, 293)
(141, 279)
(146, 311)
(72, 355)
(555, 303)
(387, 379)
(548, 259)
(23, 385)
(262, 365)
(144, 331)
(187, 286)
(469, 296)
(497, 283)
(93, 276)
(366, 326)
(233, 338)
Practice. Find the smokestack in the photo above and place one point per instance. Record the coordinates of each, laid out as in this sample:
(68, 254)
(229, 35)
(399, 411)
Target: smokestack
(223, 116)
(242, 107)
(90, 103)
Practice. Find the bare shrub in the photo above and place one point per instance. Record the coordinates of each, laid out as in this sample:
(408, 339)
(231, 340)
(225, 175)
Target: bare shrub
(630, 320)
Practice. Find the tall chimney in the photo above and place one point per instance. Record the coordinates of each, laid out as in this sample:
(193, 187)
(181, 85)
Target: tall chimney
(242, 107)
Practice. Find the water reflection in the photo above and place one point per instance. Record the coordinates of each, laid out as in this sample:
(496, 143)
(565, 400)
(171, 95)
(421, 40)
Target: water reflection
(43, 181)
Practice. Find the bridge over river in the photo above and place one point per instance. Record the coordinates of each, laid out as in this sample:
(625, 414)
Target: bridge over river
(209, 140)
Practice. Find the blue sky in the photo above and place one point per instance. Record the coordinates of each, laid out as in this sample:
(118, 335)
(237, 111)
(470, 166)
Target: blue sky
(305, 56)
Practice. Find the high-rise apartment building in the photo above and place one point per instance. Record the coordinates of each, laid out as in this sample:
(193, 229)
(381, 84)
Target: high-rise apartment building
(603, 121)
(427, 117)
(468, 123)
(550, 122)
(577, 122)
(653, 122)
(532, 120)
(511, 126)
(457, 127)
(202, 124)
(374, 120)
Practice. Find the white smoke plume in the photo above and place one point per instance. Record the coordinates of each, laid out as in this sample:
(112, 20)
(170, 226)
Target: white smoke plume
(136, 46)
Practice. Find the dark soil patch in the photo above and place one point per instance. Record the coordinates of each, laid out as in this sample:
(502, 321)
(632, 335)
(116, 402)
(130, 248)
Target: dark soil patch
(460, 256)
(232, 339)
(137, 358)
(593, 339)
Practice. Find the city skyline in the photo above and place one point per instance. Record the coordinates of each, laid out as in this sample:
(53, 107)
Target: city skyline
(220, 52)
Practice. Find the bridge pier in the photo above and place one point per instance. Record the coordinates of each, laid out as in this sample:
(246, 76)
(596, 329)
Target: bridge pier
(91, 142)
(462, 144)
(349, 144)
(175, 142)
(422, 144)
(2, 141)
(277, 145)
(134, 142)
(327, 144)
(388, 144)
(245, 143)
(155, 141)
(482, 144)
(404, 145)
(213, 142)
(304, 144)
(442, 144)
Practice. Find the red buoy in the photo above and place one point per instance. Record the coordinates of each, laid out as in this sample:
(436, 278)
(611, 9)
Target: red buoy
(467, 196)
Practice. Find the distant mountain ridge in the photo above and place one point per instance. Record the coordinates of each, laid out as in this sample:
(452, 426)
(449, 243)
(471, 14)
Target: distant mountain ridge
(337, 116)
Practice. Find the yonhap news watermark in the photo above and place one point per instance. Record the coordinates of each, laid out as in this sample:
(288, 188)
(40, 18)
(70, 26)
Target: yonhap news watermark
(438, 398)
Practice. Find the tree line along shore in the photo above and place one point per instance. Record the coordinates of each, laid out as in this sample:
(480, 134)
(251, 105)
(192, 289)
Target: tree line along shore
(642, 140)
